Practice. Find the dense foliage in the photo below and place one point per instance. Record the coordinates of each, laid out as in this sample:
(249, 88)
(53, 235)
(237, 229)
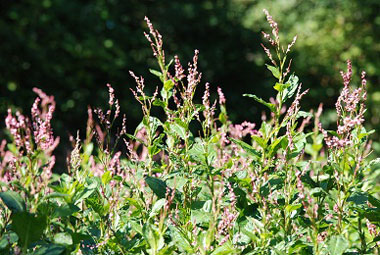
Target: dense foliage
(192, 182)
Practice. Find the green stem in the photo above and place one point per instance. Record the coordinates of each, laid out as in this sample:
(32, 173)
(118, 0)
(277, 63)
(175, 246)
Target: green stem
(362, 236)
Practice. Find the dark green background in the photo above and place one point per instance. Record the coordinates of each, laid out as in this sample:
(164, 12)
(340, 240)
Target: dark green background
(72, 48)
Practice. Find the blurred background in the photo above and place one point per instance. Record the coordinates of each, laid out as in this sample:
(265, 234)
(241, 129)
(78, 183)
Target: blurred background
(72, 48)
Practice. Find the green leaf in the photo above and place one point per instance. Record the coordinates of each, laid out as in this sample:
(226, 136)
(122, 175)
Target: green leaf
(297, 246)
(154, 149)
(359, 198)
(180, 240)
(168, 85)
(179, 130)
(170, 62)
(260, 141)
(225, 249)
(303, 114)
(275, 146)
(280, 87)
(63, 238)
(272, 107)
(201, 217)
(274, 70)
(65, 210)
(158, 186)
(50, 249)
(292, 88)
(198, 152)
(374, 201)
(157, 207)
(337, 245)
(136, 227)
(151, 123)
(373, 215)
(106, 177)
(82, 194)
(156, 73)
(152, 237)
(246, 147)
(166, 94)
(28, 227)
(222, 117)
(13, 201)
(159, 102)
(290, 208)
(8, 239)
(362, 198)
(79, 237)
(95, 203)
(365, 134)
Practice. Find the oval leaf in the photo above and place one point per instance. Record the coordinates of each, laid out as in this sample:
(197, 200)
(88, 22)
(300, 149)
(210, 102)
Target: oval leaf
(13, 201)
(337, 245)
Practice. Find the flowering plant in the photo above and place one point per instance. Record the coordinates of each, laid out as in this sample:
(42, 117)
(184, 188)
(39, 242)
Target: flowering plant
(286, 186)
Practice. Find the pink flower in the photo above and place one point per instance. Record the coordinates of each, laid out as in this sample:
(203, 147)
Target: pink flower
(241, 130)
(193, 77)
(42, 114)
(20, 130)
(291, 44)
(274, 27)
(179, 71)
(350, 110)
(222, 99)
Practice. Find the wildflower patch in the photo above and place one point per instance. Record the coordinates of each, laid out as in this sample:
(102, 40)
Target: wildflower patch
(284, 186)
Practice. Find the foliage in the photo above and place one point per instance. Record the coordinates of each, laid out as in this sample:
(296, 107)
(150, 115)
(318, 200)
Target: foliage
(192, 182)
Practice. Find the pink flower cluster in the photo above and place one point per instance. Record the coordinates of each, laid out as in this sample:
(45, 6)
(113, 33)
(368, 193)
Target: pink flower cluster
(193, 77)
(179, 71)
(209, 111)
(43, 133)
(31, 137)
(349, 99)
(222, 98)
(157, 42)
(274, 27)
(228, 217)
(20, 127)
(239, 131)
(350, 110)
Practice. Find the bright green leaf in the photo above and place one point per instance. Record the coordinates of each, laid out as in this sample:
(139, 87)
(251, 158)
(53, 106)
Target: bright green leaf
(156, 73)
(272, 107)
(274, 70)
(63, 238)
(157, 207)
(106, 177)
(246, 147)
(337, 245)
(168, 85)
